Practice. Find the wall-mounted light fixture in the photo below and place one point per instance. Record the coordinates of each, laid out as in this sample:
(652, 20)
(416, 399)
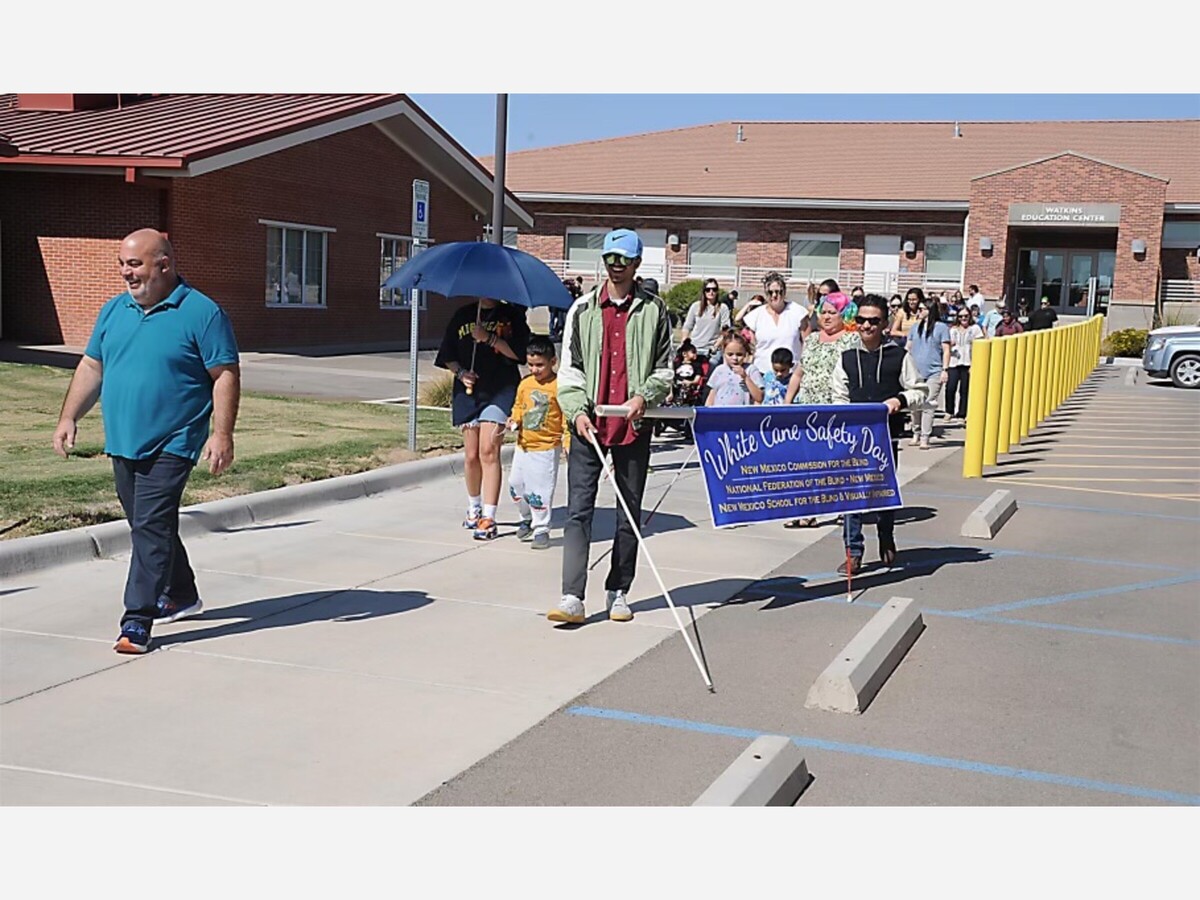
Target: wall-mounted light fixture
(910, 247)
(673, 241)
(985, 245)
(1138, 246)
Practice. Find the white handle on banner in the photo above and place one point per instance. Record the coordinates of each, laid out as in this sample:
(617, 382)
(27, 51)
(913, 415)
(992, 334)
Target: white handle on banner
(637, 532)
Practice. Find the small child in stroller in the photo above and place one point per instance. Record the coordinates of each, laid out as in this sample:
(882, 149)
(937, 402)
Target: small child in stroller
(687, 389)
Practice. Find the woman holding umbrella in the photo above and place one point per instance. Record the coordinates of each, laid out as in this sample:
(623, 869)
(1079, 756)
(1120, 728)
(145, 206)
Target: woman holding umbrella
(483, 345)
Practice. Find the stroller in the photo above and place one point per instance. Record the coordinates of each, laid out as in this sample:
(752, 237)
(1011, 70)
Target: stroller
(687, 389)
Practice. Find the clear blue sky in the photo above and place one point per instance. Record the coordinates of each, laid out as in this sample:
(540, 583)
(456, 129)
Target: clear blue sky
(546, 120)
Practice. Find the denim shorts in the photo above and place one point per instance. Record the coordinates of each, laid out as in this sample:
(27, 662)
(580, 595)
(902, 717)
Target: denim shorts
(490, 413)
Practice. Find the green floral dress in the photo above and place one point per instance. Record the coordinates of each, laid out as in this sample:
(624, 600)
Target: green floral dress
(818, 359)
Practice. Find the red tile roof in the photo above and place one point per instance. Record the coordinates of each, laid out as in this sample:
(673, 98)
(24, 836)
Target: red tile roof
(172, 130)
(898, 161)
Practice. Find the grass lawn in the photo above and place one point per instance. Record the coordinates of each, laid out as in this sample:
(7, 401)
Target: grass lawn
(278, 441)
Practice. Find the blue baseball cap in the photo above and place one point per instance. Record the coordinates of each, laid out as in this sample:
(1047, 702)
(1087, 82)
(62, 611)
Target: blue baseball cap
(623, 241)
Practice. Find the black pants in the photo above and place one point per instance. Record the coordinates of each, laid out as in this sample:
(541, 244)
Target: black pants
(630, 466)
(150, 491)
(958, 380)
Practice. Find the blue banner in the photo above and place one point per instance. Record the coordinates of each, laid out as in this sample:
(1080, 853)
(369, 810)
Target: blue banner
(787, 462)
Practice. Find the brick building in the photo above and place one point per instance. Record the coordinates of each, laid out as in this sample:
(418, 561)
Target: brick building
(1106, 213)
(289, 210)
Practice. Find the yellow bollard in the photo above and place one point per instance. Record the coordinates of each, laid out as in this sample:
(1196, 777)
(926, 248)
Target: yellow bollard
(981, 353)
(1027, 388)
(991, 425)
(1006, 392)
(1018, 410)
(1043, 373)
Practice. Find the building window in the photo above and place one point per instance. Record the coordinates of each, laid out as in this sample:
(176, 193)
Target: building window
(394, 251)
(583, 249)
(943, 259)
(1182, 233)
(712, 253)
(296, 264)
(814, 257)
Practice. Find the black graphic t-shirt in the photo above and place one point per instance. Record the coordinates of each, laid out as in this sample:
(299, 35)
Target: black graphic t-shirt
(498, 375)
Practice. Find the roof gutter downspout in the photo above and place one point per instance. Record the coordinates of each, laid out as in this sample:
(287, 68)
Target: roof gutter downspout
(962, 275)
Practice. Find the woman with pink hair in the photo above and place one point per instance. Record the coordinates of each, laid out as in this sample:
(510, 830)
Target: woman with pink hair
(812, 381)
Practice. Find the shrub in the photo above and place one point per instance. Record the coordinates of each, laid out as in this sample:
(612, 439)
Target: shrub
(1126, 342)
(437, 392)
(683, 295)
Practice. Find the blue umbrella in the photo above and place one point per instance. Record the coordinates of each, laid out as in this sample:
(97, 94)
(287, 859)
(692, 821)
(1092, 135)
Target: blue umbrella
(478, 269)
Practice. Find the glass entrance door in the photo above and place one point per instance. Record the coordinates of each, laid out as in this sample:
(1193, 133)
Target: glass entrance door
(1062, 277)
(1083, 266)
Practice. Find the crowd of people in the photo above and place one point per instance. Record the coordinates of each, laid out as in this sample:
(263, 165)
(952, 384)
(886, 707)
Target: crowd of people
(617, 350)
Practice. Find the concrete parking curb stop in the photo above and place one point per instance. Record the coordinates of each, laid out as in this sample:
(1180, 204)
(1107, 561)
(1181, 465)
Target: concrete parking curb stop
(853, 679)
(770, 772)
(44, 551)
(989, 516)
(1131, 377)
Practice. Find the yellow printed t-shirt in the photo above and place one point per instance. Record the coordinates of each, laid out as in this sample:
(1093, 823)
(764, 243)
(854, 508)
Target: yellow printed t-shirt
(536, 411)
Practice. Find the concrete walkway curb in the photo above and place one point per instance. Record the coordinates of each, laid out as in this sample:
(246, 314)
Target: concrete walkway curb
(989, 516)
(44, 551)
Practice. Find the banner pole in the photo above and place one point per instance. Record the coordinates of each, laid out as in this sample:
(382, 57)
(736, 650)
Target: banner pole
(637, 532)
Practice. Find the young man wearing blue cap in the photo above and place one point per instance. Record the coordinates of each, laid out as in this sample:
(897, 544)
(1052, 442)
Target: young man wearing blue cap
(616, 350)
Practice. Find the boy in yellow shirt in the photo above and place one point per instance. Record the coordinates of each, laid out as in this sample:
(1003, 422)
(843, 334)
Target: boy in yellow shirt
(534, 472)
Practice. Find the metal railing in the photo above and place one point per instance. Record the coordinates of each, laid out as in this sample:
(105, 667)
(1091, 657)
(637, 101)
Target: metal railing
(1174, 290)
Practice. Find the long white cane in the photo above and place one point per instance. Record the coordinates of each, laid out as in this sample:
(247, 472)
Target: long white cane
(637, 532)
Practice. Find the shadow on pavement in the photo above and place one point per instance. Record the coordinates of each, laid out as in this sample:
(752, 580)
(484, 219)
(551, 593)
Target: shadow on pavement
(783, 591)
(258, 615)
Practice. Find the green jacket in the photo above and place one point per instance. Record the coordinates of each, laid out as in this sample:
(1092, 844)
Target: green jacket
(647, 352)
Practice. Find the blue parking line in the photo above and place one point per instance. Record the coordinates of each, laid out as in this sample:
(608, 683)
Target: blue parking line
(920, 759)
(997, 554)
(1094, 509)
(1080, 595)
(765, 593)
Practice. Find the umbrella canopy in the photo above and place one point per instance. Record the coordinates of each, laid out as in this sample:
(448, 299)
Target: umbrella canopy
(478, 269)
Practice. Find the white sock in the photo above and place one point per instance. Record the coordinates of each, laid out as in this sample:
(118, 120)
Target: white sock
(474, 502)
(489, 510)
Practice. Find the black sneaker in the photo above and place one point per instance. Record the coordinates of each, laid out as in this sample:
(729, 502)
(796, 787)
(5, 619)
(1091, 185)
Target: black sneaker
(135, 638)
(170, 611)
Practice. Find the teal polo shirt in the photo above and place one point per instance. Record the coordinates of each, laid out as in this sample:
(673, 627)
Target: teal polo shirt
(156, 393)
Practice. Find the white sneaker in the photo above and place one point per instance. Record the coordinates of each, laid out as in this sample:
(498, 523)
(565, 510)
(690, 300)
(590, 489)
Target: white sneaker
(618, 606)
(569, 609)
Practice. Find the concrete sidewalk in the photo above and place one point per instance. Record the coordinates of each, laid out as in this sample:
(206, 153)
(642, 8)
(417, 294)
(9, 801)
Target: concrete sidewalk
(363, 652)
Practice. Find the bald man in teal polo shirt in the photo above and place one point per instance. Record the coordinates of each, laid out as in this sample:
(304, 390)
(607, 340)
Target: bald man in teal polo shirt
(163, 361)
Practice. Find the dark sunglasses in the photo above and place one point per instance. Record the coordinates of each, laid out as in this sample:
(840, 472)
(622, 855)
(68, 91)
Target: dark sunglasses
(710, 290)
(775, 293)
(868, 320)
(616, 259)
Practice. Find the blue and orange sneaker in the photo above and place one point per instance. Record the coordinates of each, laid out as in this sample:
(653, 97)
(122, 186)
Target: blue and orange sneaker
(485, 529)
(135, 638)
(471, 522)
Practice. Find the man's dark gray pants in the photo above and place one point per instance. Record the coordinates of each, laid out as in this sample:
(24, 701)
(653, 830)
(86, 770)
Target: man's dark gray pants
(150, 491)
(631, 464)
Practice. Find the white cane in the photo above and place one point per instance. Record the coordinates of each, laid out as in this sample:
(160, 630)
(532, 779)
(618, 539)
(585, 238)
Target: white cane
(637, 532)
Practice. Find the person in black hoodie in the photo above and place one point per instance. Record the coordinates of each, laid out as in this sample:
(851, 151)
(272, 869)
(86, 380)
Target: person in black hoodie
(880, 372)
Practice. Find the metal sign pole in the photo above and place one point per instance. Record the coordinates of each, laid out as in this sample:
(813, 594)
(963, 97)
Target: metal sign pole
(414, 306)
